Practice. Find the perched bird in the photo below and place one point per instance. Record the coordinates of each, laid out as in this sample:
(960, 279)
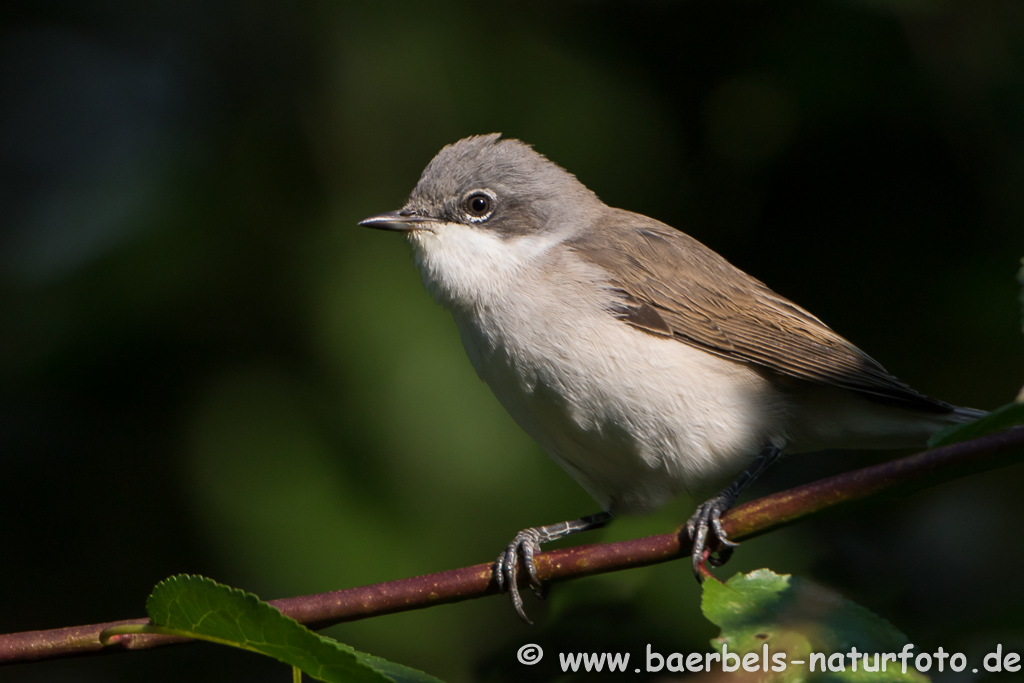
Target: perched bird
(640, 360)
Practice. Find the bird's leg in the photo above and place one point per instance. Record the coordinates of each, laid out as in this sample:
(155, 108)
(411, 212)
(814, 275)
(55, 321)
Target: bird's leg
(526, 544)
(707, 519)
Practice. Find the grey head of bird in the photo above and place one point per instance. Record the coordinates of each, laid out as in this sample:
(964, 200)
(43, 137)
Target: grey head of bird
(499, 185)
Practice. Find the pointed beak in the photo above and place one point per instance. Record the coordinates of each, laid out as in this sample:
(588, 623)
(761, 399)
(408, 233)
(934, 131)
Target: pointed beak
(404, 220)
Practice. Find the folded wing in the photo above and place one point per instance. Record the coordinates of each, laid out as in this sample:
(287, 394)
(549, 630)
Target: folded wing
(722, 310)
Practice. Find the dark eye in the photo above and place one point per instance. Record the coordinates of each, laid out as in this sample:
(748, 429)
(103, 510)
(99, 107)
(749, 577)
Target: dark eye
(479, 205)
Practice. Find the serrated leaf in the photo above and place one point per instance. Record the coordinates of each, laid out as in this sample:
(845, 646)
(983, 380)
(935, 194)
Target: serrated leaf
(201, 608)
(768, 614)
(1000, 419)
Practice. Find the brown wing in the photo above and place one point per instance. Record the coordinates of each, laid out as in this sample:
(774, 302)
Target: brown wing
(722, 310)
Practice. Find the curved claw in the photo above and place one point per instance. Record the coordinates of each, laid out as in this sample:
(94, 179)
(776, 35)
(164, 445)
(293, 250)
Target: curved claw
(528, 550)
(525, 545)
(705, 526)
(506, 569)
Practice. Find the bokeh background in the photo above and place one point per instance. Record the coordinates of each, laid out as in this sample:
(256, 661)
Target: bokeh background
(206, 367)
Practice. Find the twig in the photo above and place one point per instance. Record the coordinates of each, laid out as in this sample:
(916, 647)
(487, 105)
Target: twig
(898, 477)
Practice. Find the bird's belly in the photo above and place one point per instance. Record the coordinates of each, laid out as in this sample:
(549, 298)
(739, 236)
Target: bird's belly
(635, 419)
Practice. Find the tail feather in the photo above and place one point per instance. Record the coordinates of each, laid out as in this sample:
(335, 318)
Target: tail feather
(962, 415)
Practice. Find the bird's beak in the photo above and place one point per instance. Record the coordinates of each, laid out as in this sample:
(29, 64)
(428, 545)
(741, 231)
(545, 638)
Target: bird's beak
(404, 220)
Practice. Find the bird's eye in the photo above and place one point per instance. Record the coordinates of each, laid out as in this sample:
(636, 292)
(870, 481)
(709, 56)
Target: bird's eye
(479, 205)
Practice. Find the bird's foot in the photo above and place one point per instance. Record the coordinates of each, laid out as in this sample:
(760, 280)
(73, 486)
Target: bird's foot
(525, 545)
(708, 536)
(705, 526)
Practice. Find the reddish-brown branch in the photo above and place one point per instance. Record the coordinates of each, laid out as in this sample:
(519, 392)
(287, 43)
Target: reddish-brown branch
(897, 477)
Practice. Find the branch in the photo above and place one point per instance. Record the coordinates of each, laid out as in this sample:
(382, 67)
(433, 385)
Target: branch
(898, 477)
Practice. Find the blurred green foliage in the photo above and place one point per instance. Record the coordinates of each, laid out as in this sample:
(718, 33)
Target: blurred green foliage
(786, 620)
(206, 367)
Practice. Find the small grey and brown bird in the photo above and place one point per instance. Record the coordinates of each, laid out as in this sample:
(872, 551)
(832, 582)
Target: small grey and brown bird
(640, 360)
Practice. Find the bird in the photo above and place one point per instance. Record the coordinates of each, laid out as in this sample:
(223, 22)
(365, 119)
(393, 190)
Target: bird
(640, 360)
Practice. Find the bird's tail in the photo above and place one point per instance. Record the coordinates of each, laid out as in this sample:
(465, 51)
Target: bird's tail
(962, 415)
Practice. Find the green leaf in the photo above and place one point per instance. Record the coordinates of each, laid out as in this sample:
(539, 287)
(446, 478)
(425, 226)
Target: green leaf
(201, 608)
(1000, 419)
(763, 612)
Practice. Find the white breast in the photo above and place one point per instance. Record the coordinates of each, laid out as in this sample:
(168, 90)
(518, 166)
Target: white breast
(634, 418)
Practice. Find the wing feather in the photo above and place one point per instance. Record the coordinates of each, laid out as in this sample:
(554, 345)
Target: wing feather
(722, 310)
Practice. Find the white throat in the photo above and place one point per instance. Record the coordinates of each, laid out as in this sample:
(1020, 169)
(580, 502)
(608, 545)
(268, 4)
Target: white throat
(467, 266)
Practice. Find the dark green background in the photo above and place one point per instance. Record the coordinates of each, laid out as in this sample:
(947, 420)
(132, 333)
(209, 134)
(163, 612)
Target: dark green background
(206, 367)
